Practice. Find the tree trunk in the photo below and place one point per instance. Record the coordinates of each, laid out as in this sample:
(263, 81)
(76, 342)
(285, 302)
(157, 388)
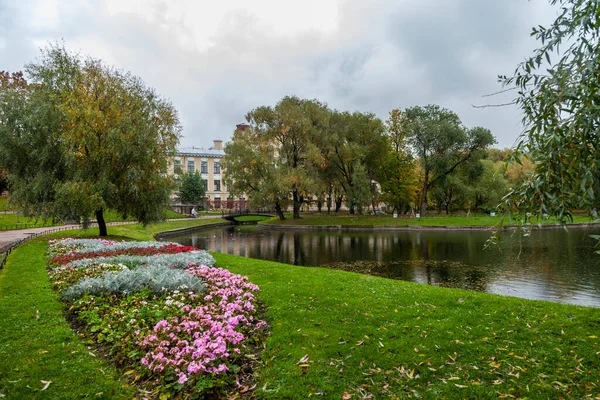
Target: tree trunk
(338, 203)
(297, 203)
(424, 194)
(319, 205)
(279, 211)
(101, 223)
(330, 194)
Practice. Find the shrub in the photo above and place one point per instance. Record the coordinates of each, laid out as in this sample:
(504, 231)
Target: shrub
(180, 260)
(157, 279)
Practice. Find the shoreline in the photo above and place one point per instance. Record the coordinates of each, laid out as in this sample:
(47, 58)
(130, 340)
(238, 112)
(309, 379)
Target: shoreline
(479, 228)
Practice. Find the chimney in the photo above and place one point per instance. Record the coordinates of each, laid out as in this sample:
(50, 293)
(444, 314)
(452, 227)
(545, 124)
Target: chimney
(218, 144)
(242, 126)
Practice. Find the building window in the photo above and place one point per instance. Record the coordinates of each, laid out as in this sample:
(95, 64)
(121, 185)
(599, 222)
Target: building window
(177, 166)
(191, 166)
(217, 169)
(205, 183)
(204, 167)
(217, 185)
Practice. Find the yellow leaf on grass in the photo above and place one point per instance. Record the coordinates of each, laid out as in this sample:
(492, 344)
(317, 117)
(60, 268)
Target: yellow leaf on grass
(131, 371)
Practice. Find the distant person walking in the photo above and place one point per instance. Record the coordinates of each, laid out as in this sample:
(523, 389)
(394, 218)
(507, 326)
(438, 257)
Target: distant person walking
(194, 212)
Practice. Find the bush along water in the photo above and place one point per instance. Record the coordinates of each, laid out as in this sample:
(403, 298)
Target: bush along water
(164, 310)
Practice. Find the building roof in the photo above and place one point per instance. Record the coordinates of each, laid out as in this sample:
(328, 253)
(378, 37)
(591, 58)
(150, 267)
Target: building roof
(200, 151)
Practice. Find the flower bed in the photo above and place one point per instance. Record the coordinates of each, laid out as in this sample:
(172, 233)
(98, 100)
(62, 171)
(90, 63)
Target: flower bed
(183, 325)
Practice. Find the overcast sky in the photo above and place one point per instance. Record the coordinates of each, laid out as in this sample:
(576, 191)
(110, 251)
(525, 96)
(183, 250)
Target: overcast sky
(217, 60)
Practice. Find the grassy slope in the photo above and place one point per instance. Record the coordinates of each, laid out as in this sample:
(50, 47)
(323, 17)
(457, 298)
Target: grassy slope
(34, 349)
(386, 220)
(8, 221)
(360, 335)
(368, 335)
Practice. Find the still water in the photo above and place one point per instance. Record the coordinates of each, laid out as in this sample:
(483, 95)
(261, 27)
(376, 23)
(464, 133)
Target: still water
(551, 265)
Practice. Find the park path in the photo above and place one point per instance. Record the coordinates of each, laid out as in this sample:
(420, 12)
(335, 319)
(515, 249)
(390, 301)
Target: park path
(8, 238)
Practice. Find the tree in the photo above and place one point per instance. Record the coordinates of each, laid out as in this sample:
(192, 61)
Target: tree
(442, 143)
(360, 192)
(397, 171)
(252, 169)
(558, 88)
(491, 186)
(92, 137)
(352, 140)
(191, 189)
(291, 128)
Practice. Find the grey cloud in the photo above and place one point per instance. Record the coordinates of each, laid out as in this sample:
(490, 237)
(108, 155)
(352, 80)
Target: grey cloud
(384, 54)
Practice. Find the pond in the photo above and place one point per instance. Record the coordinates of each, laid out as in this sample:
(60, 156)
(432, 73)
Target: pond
(551, 265)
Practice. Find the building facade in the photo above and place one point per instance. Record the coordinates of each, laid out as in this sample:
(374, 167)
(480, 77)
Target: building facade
(208, 163)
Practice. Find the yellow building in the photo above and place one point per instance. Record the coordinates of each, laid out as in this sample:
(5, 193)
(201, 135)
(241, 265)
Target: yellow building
(208, 163)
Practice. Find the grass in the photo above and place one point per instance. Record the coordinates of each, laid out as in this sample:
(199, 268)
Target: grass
(38, 345)
(336, 332)
(16, 221)
(251, 218)
(388, 220)
(333, 334)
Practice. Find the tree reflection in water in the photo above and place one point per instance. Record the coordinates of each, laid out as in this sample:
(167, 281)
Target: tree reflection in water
(550, 265)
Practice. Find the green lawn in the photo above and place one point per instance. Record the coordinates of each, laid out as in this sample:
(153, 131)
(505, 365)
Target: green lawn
(332, 332)
(388, 220)
(9, 221)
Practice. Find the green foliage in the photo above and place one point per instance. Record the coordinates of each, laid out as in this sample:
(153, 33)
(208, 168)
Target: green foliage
(83, 137)
(442, 143)
(191, 189)
(359, 193)
(252, 169)
(398, 172)
(282, 137)
(558, 88)
(352, 147)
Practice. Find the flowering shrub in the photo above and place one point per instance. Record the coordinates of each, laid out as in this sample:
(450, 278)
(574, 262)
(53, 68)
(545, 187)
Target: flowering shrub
(187, 325)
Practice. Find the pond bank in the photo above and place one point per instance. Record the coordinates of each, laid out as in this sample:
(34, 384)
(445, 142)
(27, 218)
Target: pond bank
(506, 228)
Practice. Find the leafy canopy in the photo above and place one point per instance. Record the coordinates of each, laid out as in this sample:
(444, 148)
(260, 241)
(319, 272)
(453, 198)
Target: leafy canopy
(191, 189)
(558, 88)
(84, 137)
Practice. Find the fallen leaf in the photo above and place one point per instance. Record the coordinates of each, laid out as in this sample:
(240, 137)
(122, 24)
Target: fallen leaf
(459, 386)
(37, 314)
(46, 384)
(304, 359)
(346, 396)
(131, 371)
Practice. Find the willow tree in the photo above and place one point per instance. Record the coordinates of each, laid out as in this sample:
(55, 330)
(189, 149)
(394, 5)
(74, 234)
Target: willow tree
(559, 86)
(103, 138)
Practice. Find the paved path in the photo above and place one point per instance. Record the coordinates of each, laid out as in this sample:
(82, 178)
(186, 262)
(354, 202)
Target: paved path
(16, 235)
